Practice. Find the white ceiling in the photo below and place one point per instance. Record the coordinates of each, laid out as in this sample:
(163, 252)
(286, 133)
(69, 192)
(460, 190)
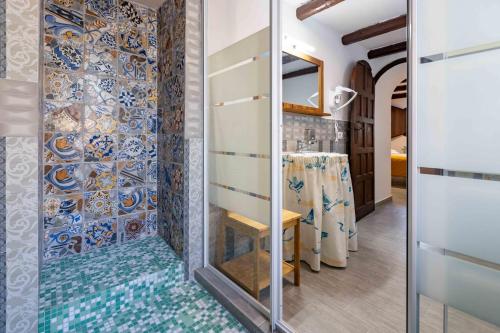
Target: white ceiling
(352, 15)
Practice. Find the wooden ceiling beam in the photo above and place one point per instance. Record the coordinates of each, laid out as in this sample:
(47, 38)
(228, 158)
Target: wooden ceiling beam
(300, 72)
(400, 88)
(375, 30)
(314, 7)
(387, 50)
(397, 96)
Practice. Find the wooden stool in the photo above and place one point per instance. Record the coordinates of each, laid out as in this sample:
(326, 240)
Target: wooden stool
(252, 270)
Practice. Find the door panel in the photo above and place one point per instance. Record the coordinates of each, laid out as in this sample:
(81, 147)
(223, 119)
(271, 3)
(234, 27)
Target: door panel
(361, 152)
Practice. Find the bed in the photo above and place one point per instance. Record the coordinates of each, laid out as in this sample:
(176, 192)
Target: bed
(398, 169)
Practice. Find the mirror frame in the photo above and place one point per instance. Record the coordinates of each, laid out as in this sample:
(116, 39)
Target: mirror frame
(304, 109)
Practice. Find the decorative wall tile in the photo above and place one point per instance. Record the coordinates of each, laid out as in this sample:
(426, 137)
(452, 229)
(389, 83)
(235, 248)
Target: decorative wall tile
(152, 172)
(62, 179)
(102, 8)
(151, 143)
(3, 258)
(101, 233)
(131, 173)
(64, 20)
(100, 119)
(63, 54)
(133, 13)
(133, 94)
(132, 121)
(62, 148)
(151, 122)
(132, 39)
(132, 67)
(22, 164)
(100, 32)
(100, 204)
(63, 87)
(100, 90)
(99, 147)
(132, 147)
(131, 200)
(133, 227)
(100, 60)
(152, 198)
(62, 116)
(60, 242)
(59, 211)
(99, 176)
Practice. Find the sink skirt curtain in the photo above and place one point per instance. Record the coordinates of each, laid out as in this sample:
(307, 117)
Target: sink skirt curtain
(319, 187)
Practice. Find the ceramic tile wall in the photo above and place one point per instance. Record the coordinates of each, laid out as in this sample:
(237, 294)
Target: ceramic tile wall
(294, 126)
(171, 116)
(100, 124)
(3, 263)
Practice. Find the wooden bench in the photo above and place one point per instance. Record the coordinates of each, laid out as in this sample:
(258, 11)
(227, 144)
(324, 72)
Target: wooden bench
(252, 270)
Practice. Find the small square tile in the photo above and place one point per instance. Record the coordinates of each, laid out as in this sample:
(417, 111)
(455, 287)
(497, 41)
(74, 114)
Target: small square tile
(152, 198)
(63, 87)
(99, 176)
(151, 146)
(133, 94)
(151, 223)
(62, 179)
(152, 71)
(62, 117)
(99, 32)
(151, 51)
(152, 21)
(132, 39)
(152, 96)
(100, 119)
(133, 13)
(132, 67)
(152, 172)
(131, 121)
(64, 20)
(102, 8)
(61, 242)
(100, 90)
(132, 147)
(101, 60)
(131, 173)
(100, 204)
(131, 200)
(132, 227)
(99, 147)
(151, 122)
(62, 148)
(61, 211)
(63, 54)
(100, 234)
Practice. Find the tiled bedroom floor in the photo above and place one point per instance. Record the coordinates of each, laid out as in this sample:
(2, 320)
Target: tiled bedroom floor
(137, 287)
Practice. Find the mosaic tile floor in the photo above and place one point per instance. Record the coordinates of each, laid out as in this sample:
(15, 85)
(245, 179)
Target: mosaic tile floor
(138, 287)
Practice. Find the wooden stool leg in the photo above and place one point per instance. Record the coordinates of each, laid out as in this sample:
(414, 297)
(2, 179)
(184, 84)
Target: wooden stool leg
(256, 290)
(296, 243)
(220, 243)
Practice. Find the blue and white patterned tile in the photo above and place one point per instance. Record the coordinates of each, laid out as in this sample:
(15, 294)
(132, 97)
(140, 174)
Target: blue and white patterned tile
(99, 176)
(131, 200)
(100, 233)
(62, 117)
(64, 8)
(152, 172)
(62, 148)
(132, 147)
(64, 241)
(133, 94)
(133, 13)
(131, 173)
(60, 211)
(132, 121)
(62, 21)
(101, 60)
(151, 146)
(151, 223)
(132, 67)
(100, 119)
(100, 204)
(62, 179)
(63, 54)
(102, 8)
(99, 147)
(100, 90)
(63, 87)
(152, 198)
(132, 39)
(100, 32)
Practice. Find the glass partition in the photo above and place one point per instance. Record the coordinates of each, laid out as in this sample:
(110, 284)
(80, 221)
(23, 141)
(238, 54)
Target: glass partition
(238, 116)
(457, 76)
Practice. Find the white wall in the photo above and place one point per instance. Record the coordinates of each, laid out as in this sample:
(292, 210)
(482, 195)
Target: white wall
(383, 98)
(338, 59)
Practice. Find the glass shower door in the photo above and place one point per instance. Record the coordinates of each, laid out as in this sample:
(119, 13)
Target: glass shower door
(455, 185)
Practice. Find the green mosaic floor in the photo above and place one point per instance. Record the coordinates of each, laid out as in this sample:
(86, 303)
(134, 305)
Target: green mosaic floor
(137, 287)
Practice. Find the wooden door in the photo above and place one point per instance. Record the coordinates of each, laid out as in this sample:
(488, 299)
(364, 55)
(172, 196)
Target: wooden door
(362, 150)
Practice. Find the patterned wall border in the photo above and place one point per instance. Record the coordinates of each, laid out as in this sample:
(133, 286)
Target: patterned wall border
(3, 258)
(3, 64)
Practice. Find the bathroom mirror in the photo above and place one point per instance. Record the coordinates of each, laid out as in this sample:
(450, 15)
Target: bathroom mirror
(302, 83)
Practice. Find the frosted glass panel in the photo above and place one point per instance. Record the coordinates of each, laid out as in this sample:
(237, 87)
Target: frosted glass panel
(447, 25)
(471, 288)
(458, 113)
(460, 214)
